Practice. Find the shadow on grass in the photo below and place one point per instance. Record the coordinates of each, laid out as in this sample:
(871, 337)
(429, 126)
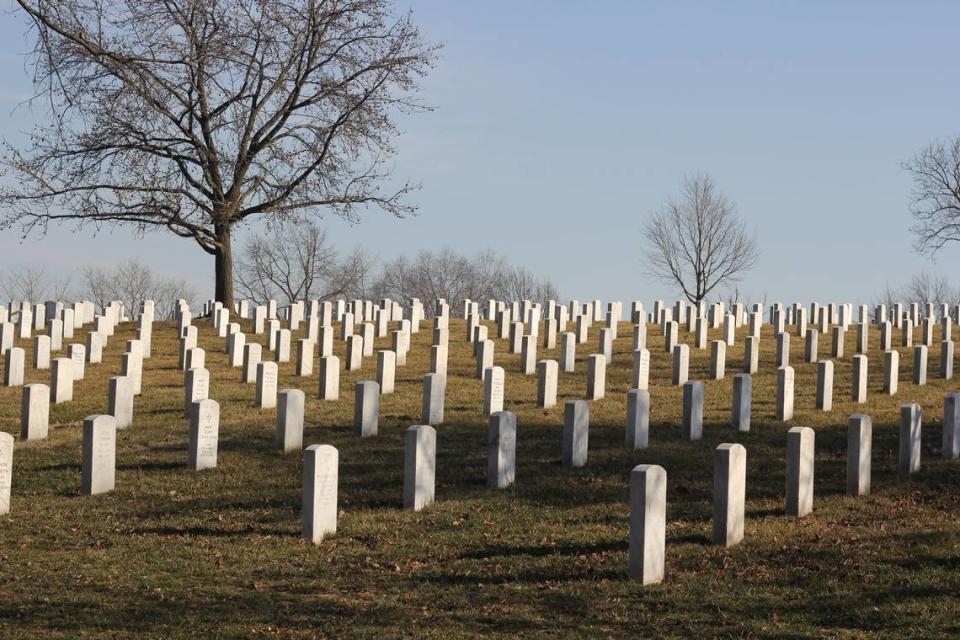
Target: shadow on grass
(565, 549)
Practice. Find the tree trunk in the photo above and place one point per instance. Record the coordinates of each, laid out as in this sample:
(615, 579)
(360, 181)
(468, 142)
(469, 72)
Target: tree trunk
(223, 264)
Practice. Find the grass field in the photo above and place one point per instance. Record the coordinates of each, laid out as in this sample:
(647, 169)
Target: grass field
(178, 554)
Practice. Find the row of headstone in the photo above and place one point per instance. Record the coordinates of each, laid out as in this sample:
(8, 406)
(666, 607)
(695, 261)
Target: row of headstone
(320, 466)
(647, 542)
(596, 372)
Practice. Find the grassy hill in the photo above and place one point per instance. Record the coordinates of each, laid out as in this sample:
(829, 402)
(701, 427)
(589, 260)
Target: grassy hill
(178, 554)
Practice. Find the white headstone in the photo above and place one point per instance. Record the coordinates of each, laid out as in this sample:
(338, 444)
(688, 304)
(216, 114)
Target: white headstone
(692, 421)
(648, 519)
(784, 402)
(568, 352)
(434, 390)
(61, 380)
(576, 433)
(951, 426)
(329, 378)
(501, 449)
(41, 352)
(266, 397)
(282, 351)
(419, 467)
(13, 367)
(120, 401)
(891, 371)
(354, 357)
(99, 454)
(638, 419)
(718, 359)
(95, 343)
(438, 359)
(386, 371)
(858, 388)
(800, 456)
(859, 445)
(320, 477)
(34, 412)
(920, 364)
(196, 387)
(946, 359)
(681, 363)
(910, 430)
(204, 434)
(824, 400)
(596, 376)
(251, 359)
(366, 408)
(290, 414)
(547, 372)
(6, 471)
(729, 493)
(742, 401)
(493, 382)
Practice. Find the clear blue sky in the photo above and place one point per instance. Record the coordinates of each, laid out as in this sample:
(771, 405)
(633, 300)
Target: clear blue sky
(560, 125)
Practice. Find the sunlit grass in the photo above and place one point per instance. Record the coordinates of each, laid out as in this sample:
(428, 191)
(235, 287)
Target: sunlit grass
(179, 554)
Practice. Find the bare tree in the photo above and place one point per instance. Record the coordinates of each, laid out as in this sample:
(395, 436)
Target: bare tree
(195, 116)
(446, 274)
(97, 285)
(357, 272)
(928, 288)
(62, 287)
(517, 283)
(923, 288)
(134, 282)
(935, 198)
(35, 284)
(732, 296)
(698, 241)
(298, 262)
(439, 274)
(131, 283)
(27, 283)
(167, 291)
(888, 296)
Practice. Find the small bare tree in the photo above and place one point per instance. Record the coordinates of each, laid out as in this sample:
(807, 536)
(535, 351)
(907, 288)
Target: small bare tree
(698, 241)
(923, 288)
(27, 283)
(131, 283)
(98, 285)
(935, 198)
(928, 288)
(518, 283)
(298, 262)
(35, 284)
(732, 296)
(447, 274)
(441, 274)
(888, 296)
(167, 291)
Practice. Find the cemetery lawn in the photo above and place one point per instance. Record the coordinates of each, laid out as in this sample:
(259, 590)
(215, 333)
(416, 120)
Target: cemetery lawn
(178, 554)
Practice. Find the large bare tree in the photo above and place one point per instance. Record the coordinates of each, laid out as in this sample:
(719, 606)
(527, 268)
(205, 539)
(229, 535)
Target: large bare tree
(936, 195)
(192, 116)
(698, 241)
